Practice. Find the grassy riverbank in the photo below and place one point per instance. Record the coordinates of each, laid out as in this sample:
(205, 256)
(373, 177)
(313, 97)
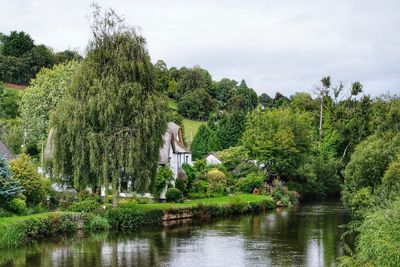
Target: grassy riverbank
(15, 231)
(19, 230)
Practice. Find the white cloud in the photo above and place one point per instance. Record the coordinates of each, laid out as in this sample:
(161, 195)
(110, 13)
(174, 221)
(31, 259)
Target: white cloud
(284, 46)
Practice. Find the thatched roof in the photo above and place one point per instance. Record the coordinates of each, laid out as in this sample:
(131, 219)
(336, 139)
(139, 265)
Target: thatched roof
(5, 152)
(172, 140)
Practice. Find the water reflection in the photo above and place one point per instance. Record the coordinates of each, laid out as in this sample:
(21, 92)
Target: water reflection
(307, 235)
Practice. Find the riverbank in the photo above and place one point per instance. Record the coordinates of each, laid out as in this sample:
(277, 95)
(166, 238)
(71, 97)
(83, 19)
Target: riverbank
(303, 235)
(19, 230)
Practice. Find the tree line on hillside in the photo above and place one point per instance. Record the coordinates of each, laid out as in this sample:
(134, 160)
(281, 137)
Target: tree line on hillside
(21, 59)
(198, 95)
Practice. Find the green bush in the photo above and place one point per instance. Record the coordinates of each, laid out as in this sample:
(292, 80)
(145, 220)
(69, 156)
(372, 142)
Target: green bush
(18, 206)
(379, 239)
(24, 171)
(174, 194)
(199, 186)
(5, 213)
(98, 224)
(164, 176)
(132, 217)
(87, 205)
(217, 182)
(250, 182)
(36, 228)
(282, 195)
(181, 185)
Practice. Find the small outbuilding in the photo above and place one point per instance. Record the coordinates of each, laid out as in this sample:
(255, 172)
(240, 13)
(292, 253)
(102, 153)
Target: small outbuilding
(5, 152)
(212, 159)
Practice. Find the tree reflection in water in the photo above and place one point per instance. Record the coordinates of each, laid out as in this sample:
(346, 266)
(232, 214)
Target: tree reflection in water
(305, 235)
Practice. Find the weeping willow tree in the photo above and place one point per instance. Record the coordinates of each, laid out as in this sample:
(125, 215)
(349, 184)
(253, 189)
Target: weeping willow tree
(110, 123)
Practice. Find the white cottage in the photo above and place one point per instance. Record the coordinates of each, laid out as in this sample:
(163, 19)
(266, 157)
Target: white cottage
(174, 152)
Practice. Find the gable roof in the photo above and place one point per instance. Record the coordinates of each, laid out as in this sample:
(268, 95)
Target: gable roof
(5, 152)
(172, 140)
(212, 153)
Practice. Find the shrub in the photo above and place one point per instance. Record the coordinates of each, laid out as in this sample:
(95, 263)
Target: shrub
(200, 187)
(191, 175)
(132, 217)
(98, 224)
(250, 182)
(18, 206)
(181, 185)
(109, 199)
(379, 239)
(36, 228)
(282, 195)
(23, 171)
(9, 187)
(216, 182)
(164, 176)
(87, 205)
(174, 194)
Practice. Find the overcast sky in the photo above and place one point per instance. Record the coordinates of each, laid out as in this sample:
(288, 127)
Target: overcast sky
(283, 45)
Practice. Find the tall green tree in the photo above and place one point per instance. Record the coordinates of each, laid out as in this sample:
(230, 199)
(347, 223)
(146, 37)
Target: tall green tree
(41, 97)
(197, 104)
(230, 129)
(280, 138)
(16, 44)
(110, 124)
(204, 142)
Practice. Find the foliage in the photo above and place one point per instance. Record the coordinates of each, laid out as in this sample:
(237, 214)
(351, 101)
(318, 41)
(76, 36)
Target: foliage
(368, 163)
(204, 142)
(18, 206)
(164, 177)
(132, 217)
(230, 129)
(191, 79)
(21, 59)
(16, 44)
(42, 96)
(174, 194)
(280, 138)
(26, 229)
(96, 138)
(217, 182)
(196, 104)
(25, 173)
(11, 133)
(87, 205)
(379, 237)
(9, 103)
(9, 187)
(98, 224)
(250, 182)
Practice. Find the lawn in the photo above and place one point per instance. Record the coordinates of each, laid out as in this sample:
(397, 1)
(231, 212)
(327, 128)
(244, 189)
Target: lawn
(225, 200)
(190, 128)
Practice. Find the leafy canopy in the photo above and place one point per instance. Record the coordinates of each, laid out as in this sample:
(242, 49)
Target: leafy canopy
(110, 124)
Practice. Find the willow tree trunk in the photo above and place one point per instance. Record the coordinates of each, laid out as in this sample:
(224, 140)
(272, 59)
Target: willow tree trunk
(115, 190)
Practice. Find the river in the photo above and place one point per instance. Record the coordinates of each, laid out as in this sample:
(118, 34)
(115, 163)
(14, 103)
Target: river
(304, 235)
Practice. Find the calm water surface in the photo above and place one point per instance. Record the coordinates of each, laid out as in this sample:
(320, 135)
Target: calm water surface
(306, 235)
